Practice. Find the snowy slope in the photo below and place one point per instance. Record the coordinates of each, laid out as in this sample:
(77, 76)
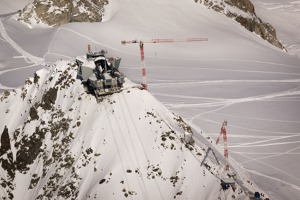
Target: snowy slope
(284, 15)
(7, 6)
(234, 76)
(59, 143)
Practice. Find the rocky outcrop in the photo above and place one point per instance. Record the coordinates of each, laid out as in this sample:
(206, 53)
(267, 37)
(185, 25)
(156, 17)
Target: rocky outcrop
(243, 12)
(244, 5)
(57, 12)
(264, 30)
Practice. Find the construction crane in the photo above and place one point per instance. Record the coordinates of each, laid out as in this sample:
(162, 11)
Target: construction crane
(141, 42)
(224, 133)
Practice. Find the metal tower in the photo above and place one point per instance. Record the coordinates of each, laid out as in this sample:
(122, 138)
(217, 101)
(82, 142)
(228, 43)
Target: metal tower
(224, 133)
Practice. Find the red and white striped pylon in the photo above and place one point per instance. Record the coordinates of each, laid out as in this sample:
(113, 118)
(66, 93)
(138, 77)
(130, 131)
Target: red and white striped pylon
(141, 42)
(224, 133)
(143, 65)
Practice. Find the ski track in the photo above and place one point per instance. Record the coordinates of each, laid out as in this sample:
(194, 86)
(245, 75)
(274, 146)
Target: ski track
(177, 58)
(263, 141)
(228, 70)
(256, 153)
(275, 179)
(291, 92)
(90, 39)
(255, 130)
(271, 156)
(220, 82)
(3, 87)
(279, 170)
(30, 57)
(259, 119)
(253, 145)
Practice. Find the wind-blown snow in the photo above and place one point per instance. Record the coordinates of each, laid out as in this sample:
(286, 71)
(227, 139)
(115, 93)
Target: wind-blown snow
(234, 76)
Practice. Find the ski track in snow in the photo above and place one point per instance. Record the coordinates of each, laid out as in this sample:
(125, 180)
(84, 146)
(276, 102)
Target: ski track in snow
(275, 179)
(88, 38)
(227, 102)
(271, 156)
(277, 169)
(272, 140)
(219, 82)
(263, 142)
(31, 58)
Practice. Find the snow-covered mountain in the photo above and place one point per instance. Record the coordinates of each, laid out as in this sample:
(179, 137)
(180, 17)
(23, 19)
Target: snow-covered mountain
(235, 75)
(59, 143)
(283, 15)
(243, 12)
(57, 12)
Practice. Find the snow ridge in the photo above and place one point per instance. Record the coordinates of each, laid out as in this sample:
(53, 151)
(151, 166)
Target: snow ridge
(59, 143)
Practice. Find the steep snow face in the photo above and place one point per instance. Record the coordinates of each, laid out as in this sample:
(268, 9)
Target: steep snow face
(59, 143)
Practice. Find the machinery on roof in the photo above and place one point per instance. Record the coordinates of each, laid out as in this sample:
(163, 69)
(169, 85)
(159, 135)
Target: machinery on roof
(99, 74)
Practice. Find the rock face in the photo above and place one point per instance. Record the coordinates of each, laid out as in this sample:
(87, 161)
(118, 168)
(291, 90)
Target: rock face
(57, 12)
(243, 12)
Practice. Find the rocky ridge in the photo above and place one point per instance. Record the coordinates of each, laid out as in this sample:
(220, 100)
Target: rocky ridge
(243, 12)
(58, 12)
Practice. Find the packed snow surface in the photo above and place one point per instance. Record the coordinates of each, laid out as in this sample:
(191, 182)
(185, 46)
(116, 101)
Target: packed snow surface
(234, 76)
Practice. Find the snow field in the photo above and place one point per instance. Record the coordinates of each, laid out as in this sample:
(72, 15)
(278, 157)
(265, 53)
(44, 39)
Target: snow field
(233, 76)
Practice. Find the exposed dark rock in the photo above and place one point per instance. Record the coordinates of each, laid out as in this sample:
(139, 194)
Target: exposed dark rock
(102, 181)
(29, 149)
(264, 30)
(33, 113)
(5, 142)
(8, 162)
(58, 12)
(34, 181)
(68, 191)
(244, 5)
(49, 98)
(4, 95)
(36, 78)
(251, 23)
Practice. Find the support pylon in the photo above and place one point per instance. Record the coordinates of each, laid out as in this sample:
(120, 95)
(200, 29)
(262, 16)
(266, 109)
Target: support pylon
(143, 65)
(224, 133)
